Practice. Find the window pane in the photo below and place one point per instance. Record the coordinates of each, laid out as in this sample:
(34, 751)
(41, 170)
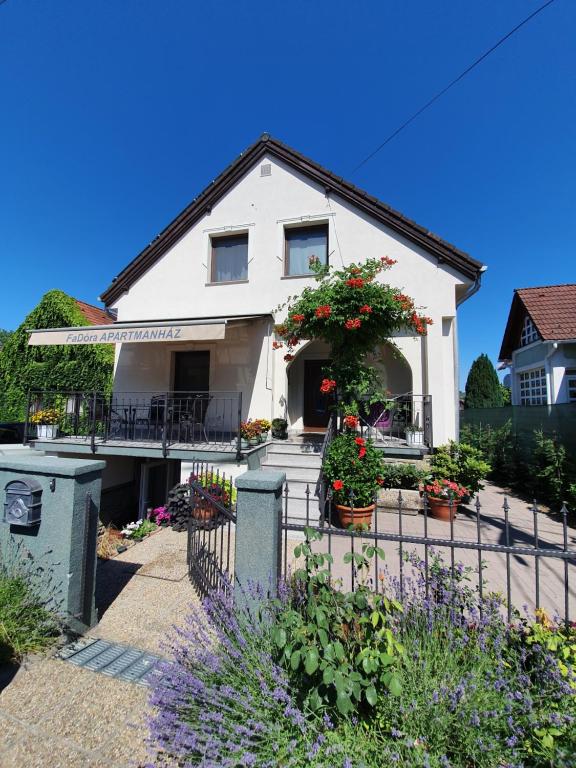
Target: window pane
(229, 259)
(301, 244)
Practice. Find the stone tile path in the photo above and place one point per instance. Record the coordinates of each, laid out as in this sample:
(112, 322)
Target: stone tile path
(56, 715)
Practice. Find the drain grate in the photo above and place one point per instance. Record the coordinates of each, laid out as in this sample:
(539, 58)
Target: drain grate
(123, 662)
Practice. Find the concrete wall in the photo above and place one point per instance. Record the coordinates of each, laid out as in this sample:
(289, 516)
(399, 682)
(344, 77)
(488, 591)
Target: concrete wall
(177, 286)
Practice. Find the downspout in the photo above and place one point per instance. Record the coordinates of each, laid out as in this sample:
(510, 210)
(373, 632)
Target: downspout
(474, 288)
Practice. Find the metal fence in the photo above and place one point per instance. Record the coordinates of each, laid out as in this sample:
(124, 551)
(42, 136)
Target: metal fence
(165, 418)
(529, 560)
(402, 419)
(211, 525)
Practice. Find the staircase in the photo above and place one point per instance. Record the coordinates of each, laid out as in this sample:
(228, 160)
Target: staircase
(299, 457)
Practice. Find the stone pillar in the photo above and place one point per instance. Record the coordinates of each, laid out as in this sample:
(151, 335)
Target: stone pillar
(258, 539)
(63, 544)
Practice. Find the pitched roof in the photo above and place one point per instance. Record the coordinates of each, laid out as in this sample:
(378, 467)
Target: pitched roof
(94, 315)
(552, 309)
(444, 251)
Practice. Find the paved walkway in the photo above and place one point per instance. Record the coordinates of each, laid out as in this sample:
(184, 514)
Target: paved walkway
(55, 715)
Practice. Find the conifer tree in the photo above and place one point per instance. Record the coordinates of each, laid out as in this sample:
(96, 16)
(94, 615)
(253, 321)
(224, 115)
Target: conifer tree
(482, 385)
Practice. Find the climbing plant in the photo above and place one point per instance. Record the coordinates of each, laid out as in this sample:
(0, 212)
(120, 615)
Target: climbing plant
(353, 312)
(24, 368)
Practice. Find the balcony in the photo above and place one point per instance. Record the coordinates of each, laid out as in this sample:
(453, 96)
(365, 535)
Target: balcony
(169, 423)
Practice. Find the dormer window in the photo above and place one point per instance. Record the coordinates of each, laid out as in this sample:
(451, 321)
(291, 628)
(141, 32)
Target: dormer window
(529, 332)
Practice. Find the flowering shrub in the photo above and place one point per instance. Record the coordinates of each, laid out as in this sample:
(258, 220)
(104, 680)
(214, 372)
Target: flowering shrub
(353, 467)
(353, 312)
(445, 490)
(461, 463)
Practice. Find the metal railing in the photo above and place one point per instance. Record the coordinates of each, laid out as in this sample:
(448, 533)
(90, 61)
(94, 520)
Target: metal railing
(165, 418)
(525, 558)
(405, 418)
(210, 526)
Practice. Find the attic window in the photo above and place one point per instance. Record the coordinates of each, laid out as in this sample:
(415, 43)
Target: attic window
(529, 332)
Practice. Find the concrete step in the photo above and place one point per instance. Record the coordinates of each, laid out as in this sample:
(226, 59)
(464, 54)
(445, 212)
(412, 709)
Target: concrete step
(298, 511)
(295, 447)
(296, 459)
(294, 472)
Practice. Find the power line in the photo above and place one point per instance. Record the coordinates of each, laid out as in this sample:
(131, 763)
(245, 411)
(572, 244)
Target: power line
(452, 83)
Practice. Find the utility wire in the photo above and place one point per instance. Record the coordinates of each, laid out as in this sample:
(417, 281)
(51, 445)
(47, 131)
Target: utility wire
(456, 80)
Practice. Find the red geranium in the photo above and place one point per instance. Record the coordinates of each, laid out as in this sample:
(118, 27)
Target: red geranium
(360, 441)
(362, 453)
(323, 311)
(337, 485)
(351, 421)
(351, 324)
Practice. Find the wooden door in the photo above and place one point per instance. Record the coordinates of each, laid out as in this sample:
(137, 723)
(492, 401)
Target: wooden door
(317, 406)
(191, 371)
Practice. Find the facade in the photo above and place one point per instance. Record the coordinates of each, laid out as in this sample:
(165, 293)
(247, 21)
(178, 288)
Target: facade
(539, 345)
(195, 311)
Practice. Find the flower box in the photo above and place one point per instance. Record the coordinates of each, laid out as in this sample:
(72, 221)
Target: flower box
(47, 431)
(387, 501)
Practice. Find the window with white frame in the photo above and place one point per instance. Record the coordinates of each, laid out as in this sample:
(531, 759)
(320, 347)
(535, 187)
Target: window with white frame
(570, 374)
(533, 389)
(529, 332)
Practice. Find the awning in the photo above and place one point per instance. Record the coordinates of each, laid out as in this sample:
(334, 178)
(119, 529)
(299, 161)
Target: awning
(206, 329)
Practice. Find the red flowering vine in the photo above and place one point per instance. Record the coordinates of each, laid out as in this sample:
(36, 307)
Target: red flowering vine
(298, 318)
(366, 309)
(388, 261)
(350, 421)
(277, 345)
(327, 386)
(355, 282)
(353, 323)
(323, 311)
(288, 358)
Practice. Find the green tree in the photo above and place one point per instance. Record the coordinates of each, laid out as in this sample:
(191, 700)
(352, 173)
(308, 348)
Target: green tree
(4, 336)
(24, 368)
(482, 385)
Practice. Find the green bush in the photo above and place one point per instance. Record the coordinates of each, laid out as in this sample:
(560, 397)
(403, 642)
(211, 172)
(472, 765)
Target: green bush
(353, 467)
(27, 624)
(405, 476)
(461, 463)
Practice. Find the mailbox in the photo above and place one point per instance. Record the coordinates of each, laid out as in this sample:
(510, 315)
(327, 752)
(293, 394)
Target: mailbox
(22, 503)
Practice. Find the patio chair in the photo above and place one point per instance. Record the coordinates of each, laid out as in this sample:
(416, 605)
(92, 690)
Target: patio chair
(380, 418)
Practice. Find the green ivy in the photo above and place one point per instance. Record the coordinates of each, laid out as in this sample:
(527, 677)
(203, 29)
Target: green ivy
(24, 368)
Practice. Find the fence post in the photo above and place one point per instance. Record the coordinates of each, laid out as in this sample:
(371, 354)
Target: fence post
(258, 541)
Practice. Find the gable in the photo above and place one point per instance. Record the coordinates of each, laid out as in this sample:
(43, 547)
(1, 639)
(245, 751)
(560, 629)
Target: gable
(444, 252)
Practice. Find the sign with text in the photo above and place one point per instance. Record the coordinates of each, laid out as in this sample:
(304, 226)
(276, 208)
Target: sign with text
(132, 335)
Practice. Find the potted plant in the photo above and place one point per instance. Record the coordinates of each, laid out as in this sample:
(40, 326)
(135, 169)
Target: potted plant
(414, 434)
(353, 468)
(249, 433)
(280, 429)
(444, 497)
(46, 422)
(461, 463)
(264, 426)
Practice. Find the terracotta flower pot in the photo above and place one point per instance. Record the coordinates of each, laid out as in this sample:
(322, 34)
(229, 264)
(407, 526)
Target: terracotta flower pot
(443, 509)
(203, 510)
(356, 516)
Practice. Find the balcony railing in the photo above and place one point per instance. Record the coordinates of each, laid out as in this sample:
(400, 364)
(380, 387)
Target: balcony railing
(161, 418)
(401, 419)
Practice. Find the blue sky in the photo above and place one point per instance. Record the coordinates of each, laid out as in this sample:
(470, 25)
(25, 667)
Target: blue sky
(115, 115)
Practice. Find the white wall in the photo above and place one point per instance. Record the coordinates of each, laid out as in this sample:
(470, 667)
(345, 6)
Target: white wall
(176, 287)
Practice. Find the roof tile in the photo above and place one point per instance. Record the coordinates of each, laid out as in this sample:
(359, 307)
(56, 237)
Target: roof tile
(552, 309)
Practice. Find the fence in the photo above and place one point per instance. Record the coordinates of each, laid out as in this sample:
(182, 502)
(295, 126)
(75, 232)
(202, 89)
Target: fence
(210, 527)
(165, 418)
(557, 421)
(528, 562)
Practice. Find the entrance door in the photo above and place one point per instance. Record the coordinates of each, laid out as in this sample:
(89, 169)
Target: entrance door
(191, 371)
(316, 405)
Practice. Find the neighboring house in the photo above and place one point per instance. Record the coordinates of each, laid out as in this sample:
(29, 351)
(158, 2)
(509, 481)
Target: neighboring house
(196, 309)
(539, 345)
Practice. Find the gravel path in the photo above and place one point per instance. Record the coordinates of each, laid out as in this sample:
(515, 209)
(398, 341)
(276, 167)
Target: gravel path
(55, 715)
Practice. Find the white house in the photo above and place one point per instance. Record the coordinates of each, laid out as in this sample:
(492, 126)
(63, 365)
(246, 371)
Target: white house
(539, 345)
(195, 310)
